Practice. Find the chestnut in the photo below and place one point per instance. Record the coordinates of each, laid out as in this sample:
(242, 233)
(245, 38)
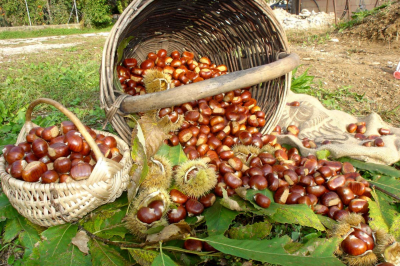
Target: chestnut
(358, 206)
(15, 154)
(321, 209)
(351, 128)
(146, 215)
(33, 171)
(65, 179)
(193, 207)
(177, 196)
(340, 214)
(176, 215)
(335, 182)
(26, 147)
(110, 141)
(290, 176)
(262, 200)
(17, 167)
(330, 199)
(50, 176)
(74, 141)
(258, 182)
(232, 180)
(281, 195)
(193, 245)
(158, 206)
(58, 150)
(345, 194)
(353, 246)
(6, 149)
(208, 200)
(273, 182)
(81, 171)
(62, 165)
(293, 197)
(50, 133)
(57, 140)
(67, 126)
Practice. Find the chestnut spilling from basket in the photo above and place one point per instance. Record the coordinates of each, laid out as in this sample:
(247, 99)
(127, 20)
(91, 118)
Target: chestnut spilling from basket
(57, 155)
(223, 131)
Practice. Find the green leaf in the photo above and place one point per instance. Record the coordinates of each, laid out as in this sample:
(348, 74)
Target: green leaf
(377, 222)
(317, 253)
(12, 229)
(28, 236)
(105, 255)
(175, 154)
(252, 231)
(326, 221)
(107, 224)
(57, 249)
(121, 47)
(323, 154)
(143, 257)
(218, 218)
(7, 211)
(292, 214)
(395, 228)
(381, 212)
(387, 183)
(372, 167)
(163, 260)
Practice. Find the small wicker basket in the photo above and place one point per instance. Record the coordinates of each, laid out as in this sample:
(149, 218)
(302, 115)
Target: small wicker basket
(242, 34)
(58, 203)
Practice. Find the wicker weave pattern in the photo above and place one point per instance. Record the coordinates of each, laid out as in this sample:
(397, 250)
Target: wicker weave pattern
(239, 33)
(57, 203)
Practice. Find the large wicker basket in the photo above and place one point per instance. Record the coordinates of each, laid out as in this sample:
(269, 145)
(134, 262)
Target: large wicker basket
(57, 203)
(241, 34)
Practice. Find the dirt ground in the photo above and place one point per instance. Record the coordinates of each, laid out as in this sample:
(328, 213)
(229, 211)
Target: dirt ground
(366, 66)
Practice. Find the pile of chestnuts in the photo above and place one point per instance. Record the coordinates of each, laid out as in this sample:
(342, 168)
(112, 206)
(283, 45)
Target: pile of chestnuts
(224, 131)
(57, 154)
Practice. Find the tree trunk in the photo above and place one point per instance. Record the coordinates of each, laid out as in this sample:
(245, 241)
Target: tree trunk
(48, 9)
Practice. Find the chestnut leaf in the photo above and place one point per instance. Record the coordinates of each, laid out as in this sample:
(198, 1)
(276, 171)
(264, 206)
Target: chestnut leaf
(251, 231)
(218, 218)
(316, 252)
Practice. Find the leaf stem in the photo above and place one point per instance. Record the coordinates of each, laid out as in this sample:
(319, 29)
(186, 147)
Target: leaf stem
(385, 191)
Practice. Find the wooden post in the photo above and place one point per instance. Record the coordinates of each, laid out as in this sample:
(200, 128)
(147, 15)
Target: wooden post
(327, 5)
(210, 87)
(27, 10)
(376, 3)
(298, 7)
(334, 10)
(348, 9)
(48, 9)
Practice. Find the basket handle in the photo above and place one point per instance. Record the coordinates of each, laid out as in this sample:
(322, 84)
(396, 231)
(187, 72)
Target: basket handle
(71, 116)
(199, 90)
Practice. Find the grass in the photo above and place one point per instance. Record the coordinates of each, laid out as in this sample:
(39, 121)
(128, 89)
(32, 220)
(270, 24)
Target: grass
(358, 17)
(309, 38)
(69, 76)
(48, 32)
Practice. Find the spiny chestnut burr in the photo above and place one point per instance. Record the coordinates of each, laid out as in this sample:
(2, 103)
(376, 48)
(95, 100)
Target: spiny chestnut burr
(15, 154)
(193, 207)
(354, 246)
(176, 215)
(33, 171)
(208, 200)
(146, 215)
(50, 176)
(81, 171)
(17, 167)
(62, 165)
(262, 200)
(193, 245)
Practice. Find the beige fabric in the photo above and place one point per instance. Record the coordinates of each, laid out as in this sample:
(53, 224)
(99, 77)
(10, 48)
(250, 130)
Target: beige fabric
(319, 124)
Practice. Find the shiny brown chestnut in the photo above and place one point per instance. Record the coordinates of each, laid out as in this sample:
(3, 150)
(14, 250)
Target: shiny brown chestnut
(62, 165)
(208, 200)
(81, 171)
(193, 245)
(33, 171)
(50, 176)
(281, 195)
(194, 207)
(262, 200)
(74, 141)
(353, 246)
(176, 215)
(17, 168)
(146, 215)
(50, 133)
(15, 154)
